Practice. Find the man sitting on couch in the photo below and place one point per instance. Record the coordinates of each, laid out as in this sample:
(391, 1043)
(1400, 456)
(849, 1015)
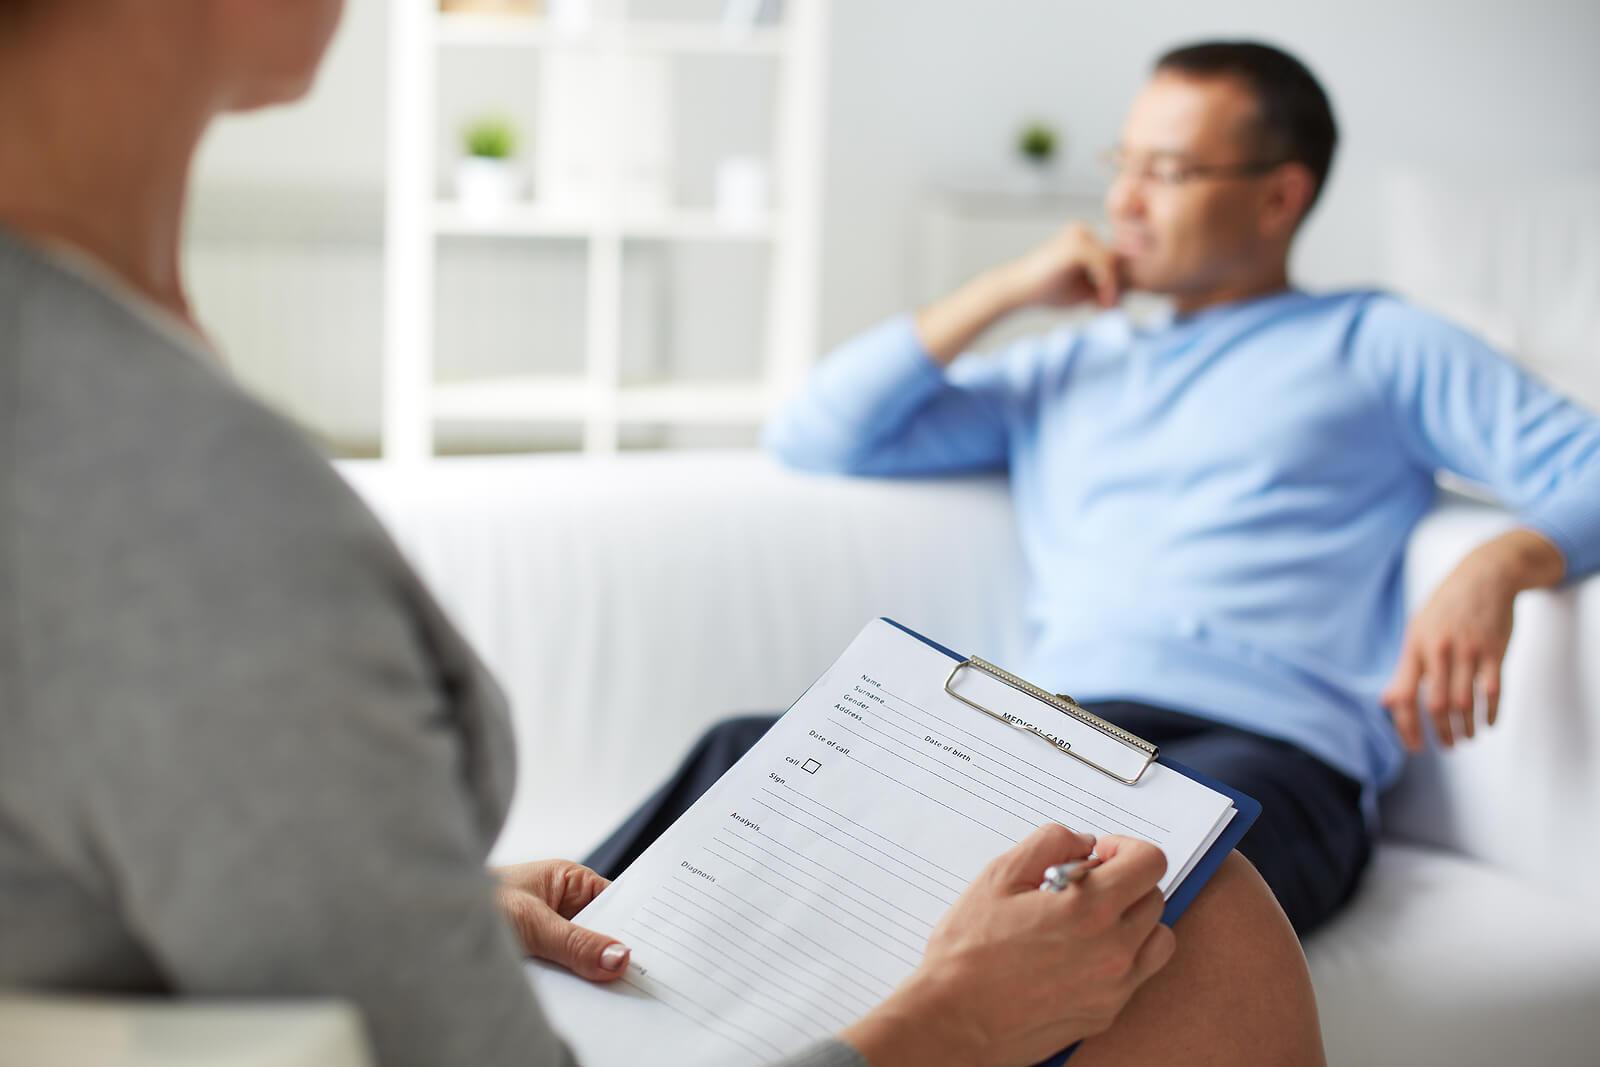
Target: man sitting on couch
(1214, 509)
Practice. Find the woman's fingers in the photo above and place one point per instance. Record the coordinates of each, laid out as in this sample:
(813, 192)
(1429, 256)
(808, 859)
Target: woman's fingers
(1021, 866)
(578, 886)
(546, 935)
(1128, 869)
(1154, 954)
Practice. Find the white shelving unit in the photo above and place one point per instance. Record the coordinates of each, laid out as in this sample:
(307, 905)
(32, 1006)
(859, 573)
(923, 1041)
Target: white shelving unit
(415, 401)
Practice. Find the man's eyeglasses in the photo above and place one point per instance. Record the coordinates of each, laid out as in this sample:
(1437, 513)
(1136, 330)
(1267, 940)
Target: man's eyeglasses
(1175, 170)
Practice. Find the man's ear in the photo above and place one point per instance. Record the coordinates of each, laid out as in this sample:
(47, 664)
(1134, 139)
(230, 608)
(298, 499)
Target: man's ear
(1289, 192)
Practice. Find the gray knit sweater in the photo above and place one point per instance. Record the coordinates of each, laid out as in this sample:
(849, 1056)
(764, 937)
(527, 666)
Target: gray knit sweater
(241, 750)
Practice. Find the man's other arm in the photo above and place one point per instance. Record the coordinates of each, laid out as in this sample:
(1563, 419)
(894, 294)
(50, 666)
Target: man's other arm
(899, 399)
(1458, 405)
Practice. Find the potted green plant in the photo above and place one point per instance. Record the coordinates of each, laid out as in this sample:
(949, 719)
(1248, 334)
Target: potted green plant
(1037, 147)
(486, 176)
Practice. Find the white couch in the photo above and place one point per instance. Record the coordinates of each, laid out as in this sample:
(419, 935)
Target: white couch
(628, 603)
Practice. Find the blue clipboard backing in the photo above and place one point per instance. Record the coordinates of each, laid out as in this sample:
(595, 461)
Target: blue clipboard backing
(1247, 807)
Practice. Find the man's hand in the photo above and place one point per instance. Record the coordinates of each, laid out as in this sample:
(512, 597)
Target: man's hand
(1454, 646)
(539, 899)
(1072, 267)
(1011, 974)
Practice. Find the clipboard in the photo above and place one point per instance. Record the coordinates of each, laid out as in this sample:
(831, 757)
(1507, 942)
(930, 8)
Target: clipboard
(1247, 808)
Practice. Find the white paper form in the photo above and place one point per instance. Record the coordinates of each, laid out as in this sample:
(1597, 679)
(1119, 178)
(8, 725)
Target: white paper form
(801, 889)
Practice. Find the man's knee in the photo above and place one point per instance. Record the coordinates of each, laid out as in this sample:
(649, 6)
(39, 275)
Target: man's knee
(732, 738)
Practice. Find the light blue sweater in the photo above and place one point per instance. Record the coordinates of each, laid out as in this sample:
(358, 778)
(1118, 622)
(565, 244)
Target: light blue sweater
(1214, 511)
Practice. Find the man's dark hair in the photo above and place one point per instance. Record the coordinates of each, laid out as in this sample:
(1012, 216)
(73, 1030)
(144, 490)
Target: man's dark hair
(1293, 118)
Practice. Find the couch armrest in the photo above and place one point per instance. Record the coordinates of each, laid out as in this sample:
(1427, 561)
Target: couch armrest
(1524, 795)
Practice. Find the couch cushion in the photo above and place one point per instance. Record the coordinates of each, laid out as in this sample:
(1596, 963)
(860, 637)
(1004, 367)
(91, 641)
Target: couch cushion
(1491, 969)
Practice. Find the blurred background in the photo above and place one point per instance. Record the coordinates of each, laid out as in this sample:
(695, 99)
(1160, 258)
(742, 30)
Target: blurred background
(514, 225)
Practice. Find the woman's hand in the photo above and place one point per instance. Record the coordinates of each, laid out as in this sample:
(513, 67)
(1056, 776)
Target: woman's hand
(539, 900)
(1012, 974)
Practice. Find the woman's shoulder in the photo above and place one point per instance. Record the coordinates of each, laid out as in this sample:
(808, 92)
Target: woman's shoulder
(135, 453)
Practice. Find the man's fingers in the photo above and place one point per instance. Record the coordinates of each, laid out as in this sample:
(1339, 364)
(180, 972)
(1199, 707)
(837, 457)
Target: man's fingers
(1438, 680)
(1407, 722)
(1463, 674)
(1101, 265)
(1022, 866)
(584, 952)
(1489, 681)
(1401, 698)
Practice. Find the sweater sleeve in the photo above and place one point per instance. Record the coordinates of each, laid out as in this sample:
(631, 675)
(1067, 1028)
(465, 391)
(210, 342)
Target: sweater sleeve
(1458, 405)
(879, 404)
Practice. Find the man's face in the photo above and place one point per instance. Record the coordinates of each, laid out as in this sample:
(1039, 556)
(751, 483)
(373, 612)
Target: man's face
(1194, 235)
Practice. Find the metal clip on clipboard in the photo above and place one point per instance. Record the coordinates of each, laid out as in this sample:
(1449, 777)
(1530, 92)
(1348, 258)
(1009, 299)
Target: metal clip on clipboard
(1062, 703)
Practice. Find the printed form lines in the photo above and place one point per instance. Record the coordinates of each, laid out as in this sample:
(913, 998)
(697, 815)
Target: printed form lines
(781, 1011)
(867, 935)
(919, 750)
(961, 879)
(920, 710)
(707, 1018)
(875, 989)
(931, 879)
(924, 927)
(659, 910)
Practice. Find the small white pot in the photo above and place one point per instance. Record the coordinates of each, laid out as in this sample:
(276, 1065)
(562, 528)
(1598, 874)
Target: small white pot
(486, 186)
(1034, 178)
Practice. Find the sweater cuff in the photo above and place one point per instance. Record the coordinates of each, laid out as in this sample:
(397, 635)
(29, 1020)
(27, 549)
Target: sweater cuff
(1571, 522)
(830, 1053)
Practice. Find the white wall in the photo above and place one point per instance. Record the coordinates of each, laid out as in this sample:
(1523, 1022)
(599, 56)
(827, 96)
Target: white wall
(924, 93)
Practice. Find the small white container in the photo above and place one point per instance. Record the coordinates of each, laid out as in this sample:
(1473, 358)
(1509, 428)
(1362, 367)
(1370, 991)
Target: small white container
(486, 187)
(572, 17)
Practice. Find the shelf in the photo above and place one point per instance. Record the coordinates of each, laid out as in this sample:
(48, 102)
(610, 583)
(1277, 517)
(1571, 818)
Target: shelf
(696, 226)
(716, 39)
(692, 402)
(529, 220)
(533, 398)
(514, 31)
(512, 399)
(616, 225)
(514, 220)
(504, 31)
